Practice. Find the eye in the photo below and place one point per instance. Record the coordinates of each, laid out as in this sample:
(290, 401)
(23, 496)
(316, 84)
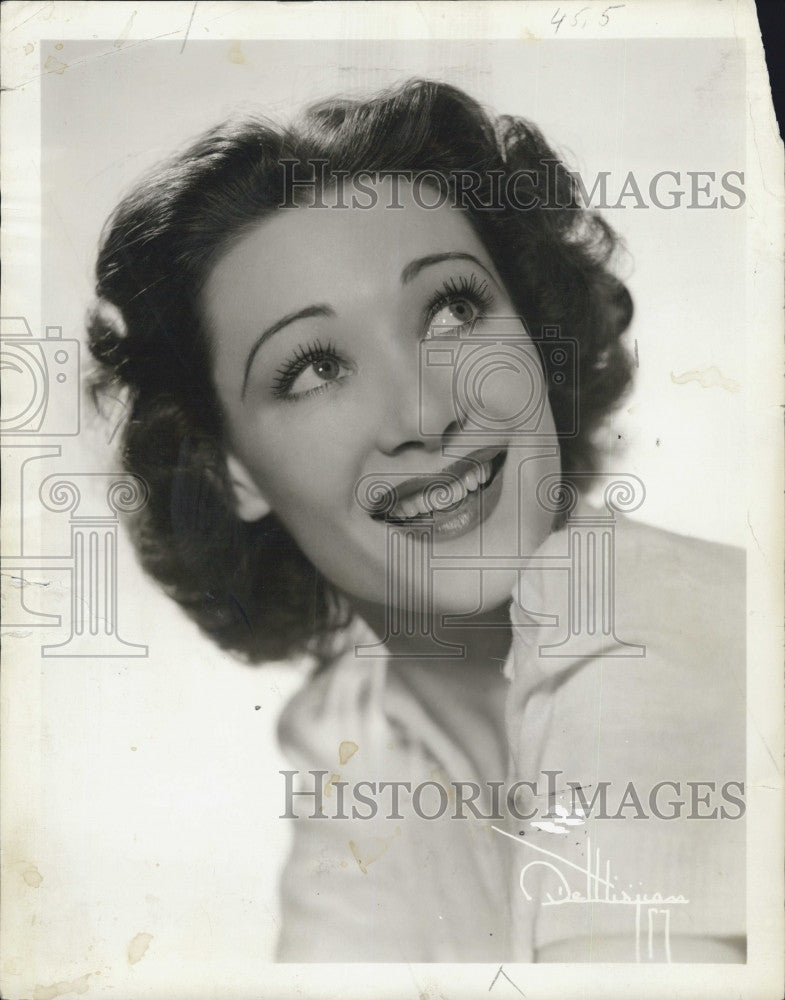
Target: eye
(312, 369)
(458, 312)
(459, 302)
(316, 374)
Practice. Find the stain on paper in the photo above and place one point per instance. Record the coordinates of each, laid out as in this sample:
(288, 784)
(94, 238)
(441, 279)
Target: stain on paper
(54, 65)
(328, 788)
(32, 876)
(137, 949)
(346, 750)
(707, 378)
(366, 858)
(64, 987)
(431, 994)
(235, 54)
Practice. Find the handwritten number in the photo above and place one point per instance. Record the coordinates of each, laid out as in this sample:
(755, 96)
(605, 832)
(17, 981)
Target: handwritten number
(575, 18)
(579, 19)
(604, 14)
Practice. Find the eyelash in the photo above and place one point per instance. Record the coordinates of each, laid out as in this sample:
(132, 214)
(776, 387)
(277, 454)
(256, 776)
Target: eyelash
(299, 361)
(471, 288)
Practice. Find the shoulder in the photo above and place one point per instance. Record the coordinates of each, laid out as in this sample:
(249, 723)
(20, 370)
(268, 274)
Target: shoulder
(702, 567)
(650, 553)
(647, 633)
(336, 708)
(684, 594)
(637, 705)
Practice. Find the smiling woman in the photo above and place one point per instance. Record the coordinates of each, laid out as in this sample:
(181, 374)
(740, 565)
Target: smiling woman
(354, 415)
(203, 266)
(334, 391)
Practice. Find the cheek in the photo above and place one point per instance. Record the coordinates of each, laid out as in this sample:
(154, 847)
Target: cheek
(516, 395)
(502, 388)
(305, 472)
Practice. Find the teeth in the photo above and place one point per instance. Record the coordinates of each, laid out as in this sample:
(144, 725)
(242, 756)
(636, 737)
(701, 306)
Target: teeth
(468, 482)
(456, 492)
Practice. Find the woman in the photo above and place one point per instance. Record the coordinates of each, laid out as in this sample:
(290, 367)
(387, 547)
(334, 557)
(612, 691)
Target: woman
(359, 353)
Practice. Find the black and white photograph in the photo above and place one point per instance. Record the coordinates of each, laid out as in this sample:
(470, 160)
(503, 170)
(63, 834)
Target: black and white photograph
(392, 501)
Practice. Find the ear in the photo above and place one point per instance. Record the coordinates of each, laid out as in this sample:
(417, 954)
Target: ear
(250, 504)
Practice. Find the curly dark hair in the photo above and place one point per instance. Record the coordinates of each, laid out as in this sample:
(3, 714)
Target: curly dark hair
(248, 585)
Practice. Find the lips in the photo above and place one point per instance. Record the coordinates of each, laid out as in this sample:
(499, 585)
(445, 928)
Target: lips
(423, 497)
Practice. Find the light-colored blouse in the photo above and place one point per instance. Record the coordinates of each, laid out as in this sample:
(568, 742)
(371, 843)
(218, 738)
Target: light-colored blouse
(631, 739)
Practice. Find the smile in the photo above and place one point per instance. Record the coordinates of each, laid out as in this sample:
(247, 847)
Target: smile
(453, 501)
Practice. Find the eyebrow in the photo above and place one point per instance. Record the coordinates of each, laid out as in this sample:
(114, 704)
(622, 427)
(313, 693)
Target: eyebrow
(306, 313)
(408, 274)
(412, 270)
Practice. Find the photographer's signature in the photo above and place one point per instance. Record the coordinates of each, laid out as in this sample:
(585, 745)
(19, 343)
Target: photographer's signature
(601, 890)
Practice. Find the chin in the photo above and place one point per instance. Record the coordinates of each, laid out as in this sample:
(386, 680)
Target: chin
(471, 592)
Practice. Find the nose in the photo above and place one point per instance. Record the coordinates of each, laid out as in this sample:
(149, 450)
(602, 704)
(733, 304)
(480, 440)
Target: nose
(417, 411)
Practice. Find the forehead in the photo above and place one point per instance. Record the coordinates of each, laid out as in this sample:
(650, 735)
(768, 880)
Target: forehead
(302, 254)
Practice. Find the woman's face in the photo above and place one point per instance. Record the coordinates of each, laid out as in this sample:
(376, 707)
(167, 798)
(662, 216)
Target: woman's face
(352, 345)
